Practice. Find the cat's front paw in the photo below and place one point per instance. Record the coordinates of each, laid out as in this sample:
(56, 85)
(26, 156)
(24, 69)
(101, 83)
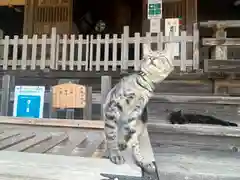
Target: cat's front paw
(147, 167)
(122, 146)
(116, 157)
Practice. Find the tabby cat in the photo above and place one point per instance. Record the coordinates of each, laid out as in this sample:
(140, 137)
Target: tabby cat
(127, 99)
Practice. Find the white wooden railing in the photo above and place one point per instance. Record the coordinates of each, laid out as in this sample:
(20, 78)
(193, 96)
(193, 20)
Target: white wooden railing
(78, 53)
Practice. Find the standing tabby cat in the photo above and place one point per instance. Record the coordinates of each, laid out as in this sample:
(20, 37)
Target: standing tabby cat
(127, 99)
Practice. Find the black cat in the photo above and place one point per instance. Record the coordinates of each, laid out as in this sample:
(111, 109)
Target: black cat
(178, 117)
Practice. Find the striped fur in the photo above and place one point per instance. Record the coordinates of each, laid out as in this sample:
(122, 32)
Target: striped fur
(126, 101)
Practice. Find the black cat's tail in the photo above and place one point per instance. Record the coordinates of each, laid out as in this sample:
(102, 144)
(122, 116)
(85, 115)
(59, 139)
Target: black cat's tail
(231, 124)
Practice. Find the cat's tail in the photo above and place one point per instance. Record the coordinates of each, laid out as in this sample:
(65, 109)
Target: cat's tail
(231, 124)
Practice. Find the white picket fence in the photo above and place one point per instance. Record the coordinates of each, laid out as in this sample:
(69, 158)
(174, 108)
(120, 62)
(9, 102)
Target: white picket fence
(78, 53)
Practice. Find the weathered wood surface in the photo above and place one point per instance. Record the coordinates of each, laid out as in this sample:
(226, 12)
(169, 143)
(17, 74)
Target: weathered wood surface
(52, 122)
(227, 23)
(224, 66)
(63, 139)
(158, 112)
(198, 165)
(18, 165)
(221, 41)
(196, 152)
(195, 99)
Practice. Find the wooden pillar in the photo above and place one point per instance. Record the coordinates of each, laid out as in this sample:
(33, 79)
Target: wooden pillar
(29, 12)
(8, 83)
(145, 21)
(87, 111)
(191, 15)
(220, 53)
(106, 85)
(1, 47)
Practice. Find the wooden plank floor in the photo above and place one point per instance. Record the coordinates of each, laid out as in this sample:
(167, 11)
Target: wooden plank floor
(85, 144)
(62, 153)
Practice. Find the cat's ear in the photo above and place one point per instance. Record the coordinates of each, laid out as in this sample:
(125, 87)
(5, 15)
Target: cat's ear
(179, 112)
(146, 49)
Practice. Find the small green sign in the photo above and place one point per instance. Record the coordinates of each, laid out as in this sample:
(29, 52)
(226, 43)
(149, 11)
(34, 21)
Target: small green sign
(154, 9)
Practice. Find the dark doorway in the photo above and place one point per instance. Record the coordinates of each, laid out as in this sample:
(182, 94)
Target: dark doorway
(107, 16)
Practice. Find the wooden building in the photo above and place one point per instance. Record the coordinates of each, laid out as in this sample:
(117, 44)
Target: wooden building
(82, 16)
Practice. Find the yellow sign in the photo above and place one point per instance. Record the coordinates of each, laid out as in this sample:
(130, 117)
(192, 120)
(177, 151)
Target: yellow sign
(69, 96)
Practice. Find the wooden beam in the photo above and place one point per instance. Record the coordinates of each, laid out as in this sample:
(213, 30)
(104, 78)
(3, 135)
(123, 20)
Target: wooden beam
(228, 23)
(53, 122)
(222, 66)
(222, 41)
(12, 2)
(196, 129)
(164, 98)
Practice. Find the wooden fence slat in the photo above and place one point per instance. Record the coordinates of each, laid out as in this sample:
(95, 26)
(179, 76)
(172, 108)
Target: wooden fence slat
(72, 51)
(125, 48)
(79, 60)
(160, 41)
(34, 51)
(53, 48)
(106, 52)
(15, 52)
(91, 53)
(15, 140)
(183, 52)
(64, 51)
(98, 53)
(122, 50)
(87, 53)
(43, 51)
(47, 145)
(29, 143)
(24, 52)
(58, 46)
(195, 47)
(114, 53)
(5, 52)
(137, 52)
(148, 38)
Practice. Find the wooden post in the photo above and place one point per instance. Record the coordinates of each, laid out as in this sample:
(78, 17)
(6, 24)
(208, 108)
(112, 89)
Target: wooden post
(220, 52)
(8, 83)
(87, 111)
(124, 65)
(1, 46)
(53, 48)
(106, 85)
(195, 47)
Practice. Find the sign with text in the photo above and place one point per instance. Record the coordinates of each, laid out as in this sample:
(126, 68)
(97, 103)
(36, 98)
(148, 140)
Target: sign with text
(154, 9)
(173, 23)
(29, 101)
(69, 95)
(155, 25)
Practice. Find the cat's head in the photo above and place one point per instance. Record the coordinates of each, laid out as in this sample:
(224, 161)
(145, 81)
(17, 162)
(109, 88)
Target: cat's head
(157, 65)
(176, 117)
